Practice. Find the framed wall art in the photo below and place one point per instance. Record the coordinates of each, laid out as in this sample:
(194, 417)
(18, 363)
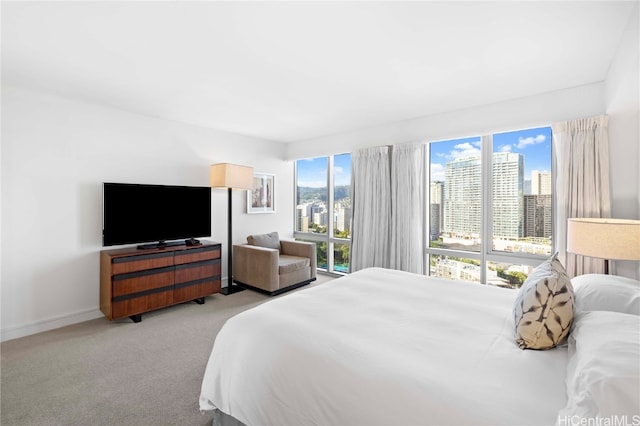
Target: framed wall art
(262, 198)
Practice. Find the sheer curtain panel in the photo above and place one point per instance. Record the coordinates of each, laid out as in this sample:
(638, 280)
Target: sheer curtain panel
(581, 149)
(407, 186)
(370, 192)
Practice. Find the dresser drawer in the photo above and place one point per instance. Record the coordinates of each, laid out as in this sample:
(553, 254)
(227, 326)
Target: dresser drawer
(198, 255)
(123, 265)
(198, 270)
(194, 289)
(195, 280)
(141, 303)
(135, 282)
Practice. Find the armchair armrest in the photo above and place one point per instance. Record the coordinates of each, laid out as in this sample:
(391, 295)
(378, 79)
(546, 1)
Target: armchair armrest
(301, 249)
(256, 266)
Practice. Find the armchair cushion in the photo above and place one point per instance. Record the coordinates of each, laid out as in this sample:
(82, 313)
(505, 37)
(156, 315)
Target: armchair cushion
(288, 264)
(270, 240)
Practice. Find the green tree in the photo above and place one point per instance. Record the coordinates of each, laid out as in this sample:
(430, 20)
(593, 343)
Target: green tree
(342, 234)
(321, 254)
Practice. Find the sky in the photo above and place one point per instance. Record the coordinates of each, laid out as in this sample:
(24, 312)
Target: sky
(312, 172)
(534, 144)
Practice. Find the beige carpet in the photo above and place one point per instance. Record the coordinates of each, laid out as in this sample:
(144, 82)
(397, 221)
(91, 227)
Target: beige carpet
(118, 373)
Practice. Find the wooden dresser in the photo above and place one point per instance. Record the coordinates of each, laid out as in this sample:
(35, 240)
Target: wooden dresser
(135, 281)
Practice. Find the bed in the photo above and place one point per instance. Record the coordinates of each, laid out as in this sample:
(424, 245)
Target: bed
(383, 347)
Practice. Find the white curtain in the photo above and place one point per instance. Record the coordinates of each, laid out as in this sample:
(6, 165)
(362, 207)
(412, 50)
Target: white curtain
(407, 187)
(370, 197)
(581, 148)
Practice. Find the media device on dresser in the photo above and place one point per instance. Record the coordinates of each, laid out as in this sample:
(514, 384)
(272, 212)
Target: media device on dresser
(169, 265)
(156, 215)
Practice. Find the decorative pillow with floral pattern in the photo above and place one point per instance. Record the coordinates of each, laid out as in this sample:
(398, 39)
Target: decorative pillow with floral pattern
(544, 307)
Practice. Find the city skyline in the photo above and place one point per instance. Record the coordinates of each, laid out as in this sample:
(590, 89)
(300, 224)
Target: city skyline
(312, 172)
(457, 200)
(520, 142)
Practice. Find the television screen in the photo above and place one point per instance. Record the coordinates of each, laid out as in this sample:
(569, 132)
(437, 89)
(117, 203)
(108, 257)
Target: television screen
(134, 213)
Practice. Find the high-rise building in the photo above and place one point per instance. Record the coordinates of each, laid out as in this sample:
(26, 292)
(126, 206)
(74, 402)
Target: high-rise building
(538, 208)
(435, 222)
(538, 217)
(436, 210)
(320, 218)
(318, 214)
(342, 217)
(546, 201)
(462, 197)
(437, 188)
(540, 183)
(507, 191)
(302, 220)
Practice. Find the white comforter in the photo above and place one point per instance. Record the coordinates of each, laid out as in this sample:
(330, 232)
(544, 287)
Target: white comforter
(383, 347)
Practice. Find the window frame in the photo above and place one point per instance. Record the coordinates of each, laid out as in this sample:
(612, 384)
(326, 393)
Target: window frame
(329, 238)
(487, 253)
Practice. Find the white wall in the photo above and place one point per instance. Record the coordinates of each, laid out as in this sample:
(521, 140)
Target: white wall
(55, 155)
(622, 100)
(540, 110)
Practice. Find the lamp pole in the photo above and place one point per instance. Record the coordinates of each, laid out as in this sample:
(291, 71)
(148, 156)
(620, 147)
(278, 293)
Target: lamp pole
(229, 176)
(230, 288)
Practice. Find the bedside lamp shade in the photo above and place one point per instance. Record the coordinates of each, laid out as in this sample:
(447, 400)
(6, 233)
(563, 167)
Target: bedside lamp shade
(604, 238)
(225, 175)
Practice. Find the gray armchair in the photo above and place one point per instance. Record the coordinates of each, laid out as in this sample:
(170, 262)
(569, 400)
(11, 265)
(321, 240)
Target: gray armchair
(273, 266)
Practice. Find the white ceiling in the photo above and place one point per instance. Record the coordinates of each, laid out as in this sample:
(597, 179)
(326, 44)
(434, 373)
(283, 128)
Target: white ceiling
(292, 71)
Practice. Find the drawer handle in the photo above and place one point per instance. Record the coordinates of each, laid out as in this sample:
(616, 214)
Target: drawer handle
(198, 250)
(197, 264)
(141, 293)
(143, 273)
(141, 257)
(196, 282)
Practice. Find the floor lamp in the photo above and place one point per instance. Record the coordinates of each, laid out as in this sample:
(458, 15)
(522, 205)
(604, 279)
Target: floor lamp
(231, 176)
(604, 238)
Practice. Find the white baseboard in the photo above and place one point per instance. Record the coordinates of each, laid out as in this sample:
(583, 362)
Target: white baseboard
(15, 332)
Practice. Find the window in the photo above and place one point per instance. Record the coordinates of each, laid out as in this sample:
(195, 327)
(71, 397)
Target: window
(496, 185)
(323, 208)
(312, 195)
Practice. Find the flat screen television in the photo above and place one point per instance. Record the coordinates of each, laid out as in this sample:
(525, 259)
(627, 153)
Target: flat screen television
(154, 214)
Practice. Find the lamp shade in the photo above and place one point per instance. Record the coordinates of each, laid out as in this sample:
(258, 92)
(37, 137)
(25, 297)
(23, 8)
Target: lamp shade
(605, 238)
(225, 175)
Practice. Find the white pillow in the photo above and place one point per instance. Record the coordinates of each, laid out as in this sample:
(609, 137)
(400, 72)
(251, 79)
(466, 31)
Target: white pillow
(598, 292)
(603, 372)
